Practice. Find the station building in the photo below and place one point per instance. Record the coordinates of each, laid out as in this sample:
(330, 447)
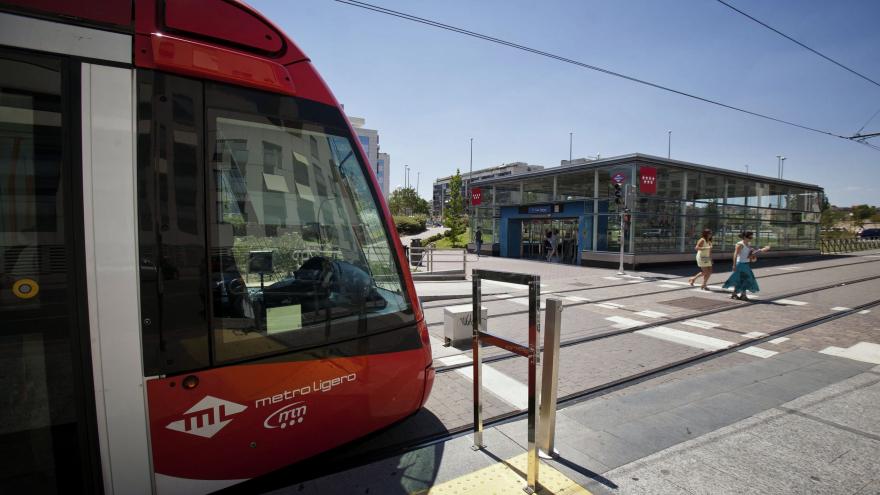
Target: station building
(670, 203)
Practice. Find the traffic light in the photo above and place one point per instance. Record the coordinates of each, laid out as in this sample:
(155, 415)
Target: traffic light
(618, 194)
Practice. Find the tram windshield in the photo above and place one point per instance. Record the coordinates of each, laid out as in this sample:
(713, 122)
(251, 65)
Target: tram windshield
(299, 252)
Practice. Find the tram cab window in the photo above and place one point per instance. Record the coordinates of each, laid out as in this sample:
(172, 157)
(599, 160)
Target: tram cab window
(299, 253)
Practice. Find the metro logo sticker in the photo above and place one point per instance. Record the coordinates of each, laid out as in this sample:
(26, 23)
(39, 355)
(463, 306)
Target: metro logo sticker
(207, 417)
(476, 196)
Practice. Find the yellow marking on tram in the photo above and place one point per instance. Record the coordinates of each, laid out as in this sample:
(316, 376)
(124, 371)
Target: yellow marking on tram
(505, 478)
(25, 288)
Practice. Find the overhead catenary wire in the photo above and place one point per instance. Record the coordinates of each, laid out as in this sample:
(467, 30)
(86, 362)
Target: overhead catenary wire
(440, 25)
(780, 33)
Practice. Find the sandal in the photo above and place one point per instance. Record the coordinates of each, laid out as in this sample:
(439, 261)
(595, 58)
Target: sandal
(734, 296)
(705, 288)
(691, 281)
(744, 297)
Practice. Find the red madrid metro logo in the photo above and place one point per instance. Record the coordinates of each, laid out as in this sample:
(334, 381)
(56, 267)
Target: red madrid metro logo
(207, 417)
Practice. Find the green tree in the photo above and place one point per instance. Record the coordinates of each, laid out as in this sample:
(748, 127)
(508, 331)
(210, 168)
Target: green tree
(828, 218)
(406, 201)
(860, 213)
(453, 215)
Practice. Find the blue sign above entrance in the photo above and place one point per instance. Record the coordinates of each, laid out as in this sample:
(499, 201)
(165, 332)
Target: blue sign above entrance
(535, 210)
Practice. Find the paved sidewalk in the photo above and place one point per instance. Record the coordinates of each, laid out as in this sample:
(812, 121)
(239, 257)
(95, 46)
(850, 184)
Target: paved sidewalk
(803, 422)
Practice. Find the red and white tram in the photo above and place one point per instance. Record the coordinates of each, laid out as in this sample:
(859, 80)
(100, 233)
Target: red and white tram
(199, 280)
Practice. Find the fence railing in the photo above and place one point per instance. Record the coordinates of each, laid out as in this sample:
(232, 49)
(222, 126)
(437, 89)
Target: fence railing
(428, 259)
(829, 246)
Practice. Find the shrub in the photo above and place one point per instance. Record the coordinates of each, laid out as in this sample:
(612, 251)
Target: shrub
(409, 225)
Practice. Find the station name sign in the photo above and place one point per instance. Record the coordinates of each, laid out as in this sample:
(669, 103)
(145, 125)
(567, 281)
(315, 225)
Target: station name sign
(540, 209)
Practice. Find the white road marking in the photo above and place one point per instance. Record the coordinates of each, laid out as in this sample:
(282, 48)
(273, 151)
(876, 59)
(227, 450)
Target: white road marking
(758, 352)
(840, 308)
(779, 340)
(790, 302)
(667, 286)
(576, 299)
(867, 352)
(634, 276)
(612, 278)
(787, 268)
(700, 341)
(525, 301)
(676, 282)
(706, 325)
(755, 335)
(609, 305)
(634, 281)
(509, 284)
(454, 360)
(652, 314)
(506, 388)
(621, 322)
(864, 311)
(685, 338)
(503, 296)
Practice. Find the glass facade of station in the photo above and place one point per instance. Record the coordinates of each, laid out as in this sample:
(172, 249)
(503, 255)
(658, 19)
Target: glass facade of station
(515, 213)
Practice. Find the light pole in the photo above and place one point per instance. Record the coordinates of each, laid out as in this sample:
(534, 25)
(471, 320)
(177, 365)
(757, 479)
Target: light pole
(668, 145)
(747, 170)
(470, 178)
(418, 179)
(778, 166)
(782, 169)
(570, 136)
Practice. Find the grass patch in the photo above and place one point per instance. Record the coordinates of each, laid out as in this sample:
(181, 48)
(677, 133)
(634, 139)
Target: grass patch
(446, 242)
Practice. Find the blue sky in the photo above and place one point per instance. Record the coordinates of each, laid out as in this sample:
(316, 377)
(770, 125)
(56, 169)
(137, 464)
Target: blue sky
(428, 91)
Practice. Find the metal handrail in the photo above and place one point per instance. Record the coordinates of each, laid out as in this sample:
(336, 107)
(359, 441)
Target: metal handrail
(531, 351)
(829, 246)
(426, 256)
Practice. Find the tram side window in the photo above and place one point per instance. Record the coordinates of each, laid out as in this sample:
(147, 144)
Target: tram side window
(300, 255)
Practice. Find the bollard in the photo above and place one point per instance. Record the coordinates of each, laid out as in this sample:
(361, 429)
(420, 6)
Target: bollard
(549, 380)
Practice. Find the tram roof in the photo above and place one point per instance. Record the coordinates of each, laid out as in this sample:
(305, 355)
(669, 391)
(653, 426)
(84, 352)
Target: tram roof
(646, 159)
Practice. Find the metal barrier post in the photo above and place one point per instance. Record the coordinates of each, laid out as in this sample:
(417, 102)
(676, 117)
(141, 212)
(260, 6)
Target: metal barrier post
(531, 352)
(549, 379)
(477, 320)
(464, 260)
(534, 361)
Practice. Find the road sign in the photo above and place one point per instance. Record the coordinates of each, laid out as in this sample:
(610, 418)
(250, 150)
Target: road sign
(619, 177)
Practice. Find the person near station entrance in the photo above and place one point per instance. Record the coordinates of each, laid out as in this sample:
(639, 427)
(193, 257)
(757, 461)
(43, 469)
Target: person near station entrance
(478, 240)
(743, 279)
(704, 259)
(548, 246)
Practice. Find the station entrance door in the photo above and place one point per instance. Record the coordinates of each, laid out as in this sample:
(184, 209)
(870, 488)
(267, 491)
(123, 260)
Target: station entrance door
(534, 231)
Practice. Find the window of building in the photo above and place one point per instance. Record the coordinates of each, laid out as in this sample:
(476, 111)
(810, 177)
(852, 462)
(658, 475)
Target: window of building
(579, 185)
(538, 190)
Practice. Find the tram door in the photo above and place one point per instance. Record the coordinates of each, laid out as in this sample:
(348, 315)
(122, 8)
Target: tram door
(43, 433)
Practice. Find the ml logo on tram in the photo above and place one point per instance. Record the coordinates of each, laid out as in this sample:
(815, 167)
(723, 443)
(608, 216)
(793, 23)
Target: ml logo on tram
(207, 417)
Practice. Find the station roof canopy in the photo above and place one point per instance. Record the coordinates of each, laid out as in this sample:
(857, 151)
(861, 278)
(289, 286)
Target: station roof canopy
(646, 160)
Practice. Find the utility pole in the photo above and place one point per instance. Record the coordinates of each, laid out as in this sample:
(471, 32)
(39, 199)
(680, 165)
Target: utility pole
(570, 137)
(669, 145)
(470, 178)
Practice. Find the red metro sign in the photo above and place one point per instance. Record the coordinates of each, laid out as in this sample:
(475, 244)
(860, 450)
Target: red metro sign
(476, 196)
(648, 180)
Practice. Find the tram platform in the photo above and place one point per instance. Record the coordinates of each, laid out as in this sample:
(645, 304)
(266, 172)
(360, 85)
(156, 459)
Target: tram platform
(802, 422)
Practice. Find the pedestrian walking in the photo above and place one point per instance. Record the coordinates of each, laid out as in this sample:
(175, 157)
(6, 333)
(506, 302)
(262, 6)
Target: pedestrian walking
(478, 240)
(742, 279)
(548, 246)
(704, 259)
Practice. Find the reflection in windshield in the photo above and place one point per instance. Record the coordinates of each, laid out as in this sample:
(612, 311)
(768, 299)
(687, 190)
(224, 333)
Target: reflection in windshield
(298, 240)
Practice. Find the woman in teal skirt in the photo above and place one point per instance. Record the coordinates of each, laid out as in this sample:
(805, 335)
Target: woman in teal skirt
(742, 279)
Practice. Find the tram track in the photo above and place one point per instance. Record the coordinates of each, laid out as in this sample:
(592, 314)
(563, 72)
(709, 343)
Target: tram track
(401, 448)
(655, 323)
(491, 298)
(340, 460)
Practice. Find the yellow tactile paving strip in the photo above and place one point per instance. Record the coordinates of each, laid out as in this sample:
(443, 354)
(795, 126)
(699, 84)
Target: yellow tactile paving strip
(507, 478)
